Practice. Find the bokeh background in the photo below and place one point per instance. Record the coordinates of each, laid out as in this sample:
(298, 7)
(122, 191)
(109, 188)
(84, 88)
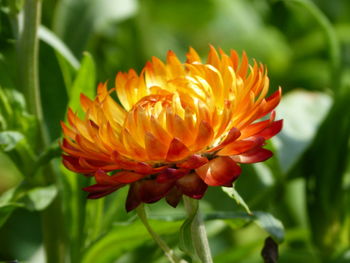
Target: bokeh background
(306, 48)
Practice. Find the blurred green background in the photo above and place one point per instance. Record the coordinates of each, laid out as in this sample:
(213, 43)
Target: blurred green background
(306, 47)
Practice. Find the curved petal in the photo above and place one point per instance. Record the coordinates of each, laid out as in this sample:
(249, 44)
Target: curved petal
(151, 191)
(155, 149)
(133, 199)
(204, 137)
(193, 162)
(97, 190)
(126, 177)
(272, 130)
(232, 135)
(171, 174)
(174, 196)
(73, 164)
(253, 156)
(219, 171)
(241, 146)
(192, 186)
(177, 151)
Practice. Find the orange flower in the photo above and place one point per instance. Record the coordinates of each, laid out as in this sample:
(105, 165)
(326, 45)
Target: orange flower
(179, 128)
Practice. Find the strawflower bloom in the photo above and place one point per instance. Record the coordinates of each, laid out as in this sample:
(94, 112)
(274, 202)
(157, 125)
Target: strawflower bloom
(179, 128)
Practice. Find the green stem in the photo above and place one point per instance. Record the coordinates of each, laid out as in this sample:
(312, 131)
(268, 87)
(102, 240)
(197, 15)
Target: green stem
(28, 54)
(28, 49)
(198, 232)
(168, 252)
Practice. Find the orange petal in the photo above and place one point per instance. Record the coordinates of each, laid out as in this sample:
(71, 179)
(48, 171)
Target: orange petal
(155, 149)
(159, 132)
(213, 58)
(271, 103)
(221, 171)
(192, 56)
(243, 68)
(85, 102)
(67, 131)
(204, 137)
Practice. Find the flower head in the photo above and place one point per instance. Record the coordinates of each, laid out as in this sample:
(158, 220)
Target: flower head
(179, 128)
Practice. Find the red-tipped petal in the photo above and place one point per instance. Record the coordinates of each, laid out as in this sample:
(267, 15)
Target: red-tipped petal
(253, 156)
(192, 186)
(193, 162)
(72, 163)
(271, 102)
(103, 178)
(174, 196)
(171, 174)
(219, 171)
(232, 135)
(177, 151)
(133, 199)
(100, 190)
(127, 177)
(138, 167)
(122, 177)
(151, 191)
(241, 146)
(255, 128)
(272, 130)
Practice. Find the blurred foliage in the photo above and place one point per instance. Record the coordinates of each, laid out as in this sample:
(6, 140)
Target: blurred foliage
(305, 185)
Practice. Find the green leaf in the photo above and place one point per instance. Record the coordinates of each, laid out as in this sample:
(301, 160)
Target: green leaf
(41, 197)
(52, 40)
(231, 192)
(324, 165)
(83, 83)
(37, 198)
(9, 140)
(7, 196)
(5, 213)
(14, 117)
(265, 220)
(303, 112)
(270, 224)
(121, 238)
(67, 70)
(76, 30)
